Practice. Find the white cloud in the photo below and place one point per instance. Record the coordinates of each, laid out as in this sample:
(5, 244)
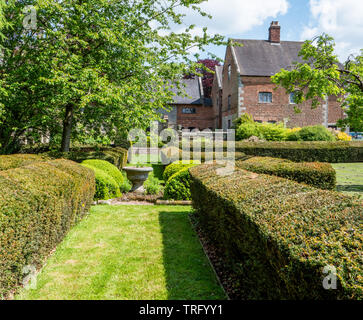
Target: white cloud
(342, 19)
(237, 16)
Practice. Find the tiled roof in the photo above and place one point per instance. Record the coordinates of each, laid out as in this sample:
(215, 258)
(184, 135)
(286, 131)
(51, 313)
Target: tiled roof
(262, 58)
(193, 89)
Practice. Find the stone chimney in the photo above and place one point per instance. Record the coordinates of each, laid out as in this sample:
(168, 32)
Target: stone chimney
(274, 32)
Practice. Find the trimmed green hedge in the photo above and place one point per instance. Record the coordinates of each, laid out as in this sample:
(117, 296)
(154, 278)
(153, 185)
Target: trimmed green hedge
(176, 166)
(19, 160)
(178, 185)
(39, 203)
(311, 151)
(106, 186)
(158, 170)
(278, 235)
(116, 156)
(316, 174)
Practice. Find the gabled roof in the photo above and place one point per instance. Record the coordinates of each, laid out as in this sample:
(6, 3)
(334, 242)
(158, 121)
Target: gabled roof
(193, 89)
(263, 58)
(219, 75)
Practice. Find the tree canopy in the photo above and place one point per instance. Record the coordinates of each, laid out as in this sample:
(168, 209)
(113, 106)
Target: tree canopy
(91, 67)
(322, 75)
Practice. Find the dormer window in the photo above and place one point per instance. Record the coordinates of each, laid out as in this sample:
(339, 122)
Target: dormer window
(265, 97)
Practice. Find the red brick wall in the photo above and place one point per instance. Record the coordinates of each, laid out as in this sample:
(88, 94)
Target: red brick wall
(203, 118)
(280, 107)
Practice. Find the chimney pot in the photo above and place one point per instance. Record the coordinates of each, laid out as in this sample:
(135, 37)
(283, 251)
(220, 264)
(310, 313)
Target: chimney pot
(274, 32)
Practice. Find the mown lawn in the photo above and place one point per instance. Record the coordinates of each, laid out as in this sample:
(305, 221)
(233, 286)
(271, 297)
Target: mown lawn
(349, 177)
(129, 252)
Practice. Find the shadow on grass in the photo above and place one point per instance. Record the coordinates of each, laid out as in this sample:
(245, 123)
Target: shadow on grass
(350, 188)
(188, 273)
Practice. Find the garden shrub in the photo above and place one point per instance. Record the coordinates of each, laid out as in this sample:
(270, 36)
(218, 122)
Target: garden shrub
(177, 166)
(152, 185)
(271, 131)
(158, 170)
(19, 160)
(178, 185)
(311, 133)
(117, 156)
(246, 130)
(339, 151)
(316, 174)
(106, 186)
(39, 203)
(108, 168)
(278, 235)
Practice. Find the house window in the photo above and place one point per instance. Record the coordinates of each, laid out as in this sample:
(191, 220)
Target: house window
(229, 72)
(229, 103)
(229, 124)
(189, 110)
(292, 98)
(264, 97)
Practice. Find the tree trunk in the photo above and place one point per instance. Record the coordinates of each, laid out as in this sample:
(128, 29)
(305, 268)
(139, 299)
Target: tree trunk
(67, 128)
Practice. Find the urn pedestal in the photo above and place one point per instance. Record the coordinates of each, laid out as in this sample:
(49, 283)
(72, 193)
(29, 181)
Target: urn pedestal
(137, 176)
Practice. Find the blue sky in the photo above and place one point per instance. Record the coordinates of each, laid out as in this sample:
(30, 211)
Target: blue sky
(299, 20)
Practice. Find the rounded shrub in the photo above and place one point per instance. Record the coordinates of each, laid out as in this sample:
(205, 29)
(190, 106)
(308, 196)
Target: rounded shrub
(246, 130)
(311, 133)
(152, 185)
(106, 185)
(177, 166)
(271, 131)
(178, 186)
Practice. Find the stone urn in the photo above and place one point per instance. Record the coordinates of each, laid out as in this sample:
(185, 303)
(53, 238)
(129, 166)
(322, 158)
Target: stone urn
(137, 176)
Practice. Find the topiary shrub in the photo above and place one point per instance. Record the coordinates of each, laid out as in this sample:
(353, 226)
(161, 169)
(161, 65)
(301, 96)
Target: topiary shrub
(278, 235)
(158, 170)
(311, 133)
(316, 174)
(177, 166)
(106, 185)
(39, 203)
(178, 186)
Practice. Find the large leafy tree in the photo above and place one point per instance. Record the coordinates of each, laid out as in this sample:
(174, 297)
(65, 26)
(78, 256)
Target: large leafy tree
(323, 75)
(91, 67)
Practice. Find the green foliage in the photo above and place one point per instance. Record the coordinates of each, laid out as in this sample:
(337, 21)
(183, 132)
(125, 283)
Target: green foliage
(246, 130)
(244, 118)
(19, 160)
(106, 185)
(316, 174)
(87, 74)
(152, 185)
(271, 131)
(323, 76)
(311, 133)
(116, 156)
(177, 166)
(39, 203)
(108, 168)
(278, 235)
(158, 170)
(178, 185)
(321, 151)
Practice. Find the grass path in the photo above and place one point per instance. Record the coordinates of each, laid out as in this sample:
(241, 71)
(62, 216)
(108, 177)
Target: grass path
(129, 252)
(349, 177)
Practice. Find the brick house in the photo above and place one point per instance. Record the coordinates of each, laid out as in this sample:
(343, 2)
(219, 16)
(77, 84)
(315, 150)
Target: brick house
(191, 110)
(243, 85)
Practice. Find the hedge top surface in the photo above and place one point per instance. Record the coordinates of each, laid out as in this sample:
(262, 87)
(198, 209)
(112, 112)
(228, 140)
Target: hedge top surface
(301, 144)
(315, 226)
(18, 160)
